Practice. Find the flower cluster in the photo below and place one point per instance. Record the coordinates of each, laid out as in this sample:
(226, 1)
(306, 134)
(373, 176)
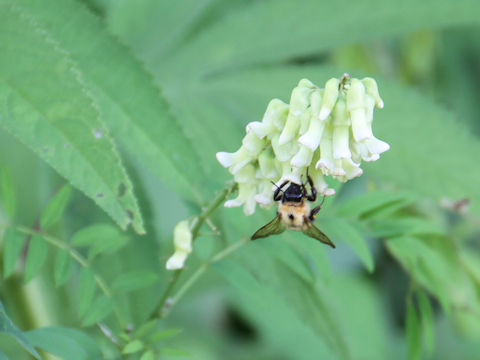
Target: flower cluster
(182, 242)
(325, 131)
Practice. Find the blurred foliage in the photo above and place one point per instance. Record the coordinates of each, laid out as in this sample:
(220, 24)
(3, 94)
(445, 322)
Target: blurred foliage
(126, 103)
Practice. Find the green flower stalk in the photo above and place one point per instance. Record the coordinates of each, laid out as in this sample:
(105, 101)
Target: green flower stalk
(327, 131)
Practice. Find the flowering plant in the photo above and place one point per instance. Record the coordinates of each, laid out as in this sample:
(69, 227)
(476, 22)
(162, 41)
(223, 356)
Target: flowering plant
(325, 131)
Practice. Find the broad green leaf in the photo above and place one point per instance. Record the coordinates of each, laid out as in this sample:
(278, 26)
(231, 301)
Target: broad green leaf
(44, 102)
(86, 290)
(340, 229)
(63, 267)
(367, 204)
(8, 327)
(427, 320)
(65, 343)
(13, 242)
(101, 307)
(36, 256)
(260, 32)
(129, 103)
(53, 211)
(134, 280)
(7, 192)
(413, 333)
(101, 238)
(133, 347)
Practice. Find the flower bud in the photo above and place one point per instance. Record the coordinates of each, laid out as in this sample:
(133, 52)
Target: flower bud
(341, 130)
(329, 98)
(268, 165)
(299, 101)
(371, 89)
(246, 193)
(265, 197)
(182, 242)
(253, 144)
(302, 158)
(326, 151)
(283, 152)
(276, 114)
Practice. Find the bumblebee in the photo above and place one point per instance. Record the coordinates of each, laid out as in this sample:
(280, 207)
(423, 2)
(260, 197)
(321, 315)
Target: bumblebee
(294, 212)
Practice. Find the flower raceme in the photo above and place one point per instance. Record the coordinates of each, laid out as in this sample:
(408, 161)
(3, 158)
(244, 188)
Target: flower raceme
(327, 131)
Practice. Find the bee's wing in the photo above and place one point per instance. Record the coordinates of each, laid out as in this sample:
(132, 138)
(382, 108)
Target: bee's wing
(315, 233)
(274, 227)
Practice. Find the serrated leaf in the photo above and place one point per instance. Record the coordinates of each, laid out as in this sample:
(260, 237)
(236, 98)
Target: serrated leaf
(101, 307)
(427, 321)
(162, 335)
(7, 192)
(63, 267)
(36, 255)
(54, 209)
(8, 327)
(148, 355)
(44, 102)
(65, 343)
(86, 290)
(413, 333)
(339, 228)
(139, 119)
(133, 347)
(134, 280)
(12, 246)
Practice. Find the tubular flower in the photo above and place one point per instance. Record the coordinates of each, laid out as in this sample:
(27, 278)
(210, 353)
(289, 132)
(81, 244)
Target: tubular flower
(182, 242)
(325, 130)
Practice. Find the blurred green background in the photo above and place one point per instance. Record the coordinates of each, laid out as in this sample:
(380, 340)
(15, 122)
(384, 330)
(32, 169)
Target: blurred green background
(163, 86)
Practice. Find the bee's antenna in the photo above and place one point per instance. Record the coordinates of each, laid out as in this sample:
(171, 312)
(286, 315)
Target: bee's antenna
(278, 187)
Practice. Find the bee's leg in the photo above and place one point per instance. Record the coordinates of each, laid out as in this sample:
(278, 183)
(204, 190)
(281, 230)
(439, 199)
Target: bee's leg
(313, 195)
(276, 194)
(315, 210)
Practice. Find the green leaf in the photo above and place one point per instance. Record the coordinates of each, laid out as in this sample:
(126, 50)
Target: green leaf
(53, 211)
(44, 102)
(86, 290)
(12, 246)
(7, 192)
(3, 356)
(133, 347)
(389, 228)
(427, 321)
(174, 352)
(340, 229)
(65, 343)
(162, 335)
(413, 333)
(148, 355)
(101, 307)
(101, 238)
(63, 267)
(36, 256)
(134, 280)
(140, 120)
(8, 327)
(366, 205)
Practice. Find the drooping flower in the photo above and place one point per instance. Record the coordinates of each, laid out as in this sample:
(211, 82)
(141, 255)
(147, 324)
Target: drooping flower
(327, 131)
(182, 242)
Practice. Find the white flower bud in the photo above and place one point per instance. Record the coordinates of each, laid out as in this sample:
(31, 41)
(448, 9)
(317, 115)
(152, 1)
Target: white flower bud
(283, 152)
(268, 165)
(341, 130)
(320, 184)
(290, 173)
(246, 193)
(376, 146)
(329, 98)
(253, 143)
(371, 89)
(312, 137)
(276, 114)
(302, 158)
(265, 197)
(182, 242)
(316, 102)
(258, 128)
(326, 151)
(299, 101)
(245, 174)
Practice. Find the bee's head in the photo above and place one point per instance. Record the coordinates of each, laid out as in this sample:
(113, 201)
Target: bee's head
(293, 193)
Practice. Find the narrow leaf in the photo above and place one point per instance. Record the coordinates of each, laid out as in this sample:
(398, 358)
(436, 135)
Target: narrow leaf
(148, 355)
(44, 102)
(133, 347)
(7, 192)
(12, 246)
(86, 290)
(8, 327)
(174, 352)
(427, 321)
(63, 267)
(134, 280)
(405, 226)
(164, 334)
(36, 256)
(101, 307)
(53, 211)
(413, 333)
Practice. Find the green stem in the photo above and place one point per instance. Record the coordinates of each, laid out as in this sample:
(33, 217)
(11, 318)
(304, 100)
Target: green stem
(165, 301)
